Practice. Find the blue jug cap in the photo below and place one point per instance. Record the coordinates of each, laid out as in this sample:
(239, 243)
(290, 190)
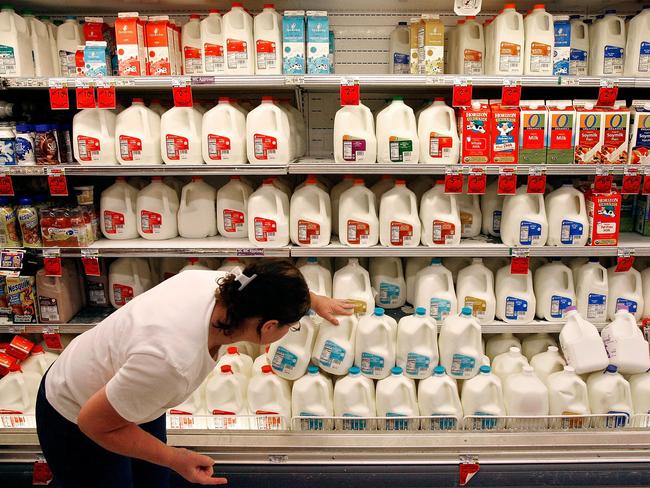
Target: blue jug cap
(396, 371)
(436, 260)
(612, 369)
(485, 369)
(420, 311)
(354, 370)
(466, 311)
(439, 370)
(312, 369)
(312, 259)
(379, 312)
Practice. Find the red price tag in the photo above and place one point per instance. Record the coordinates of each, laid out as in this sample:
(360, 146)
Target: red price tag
(631, 184)
(52, 266)
(624, 263)
(6, 186)
(607, 96)
(183, 96)
(42, 475)
(58, 185)
(536, 184)
(91, 266)
(476, 182)
(511, 94)
(467, 471)
(462, 95)
(646, 185)
(603, 183)
(85, 97)
(53, 341)
(453, 183)
(350, 93)
(519, 265)
(507, 183)
(106, 97)
(59, 98)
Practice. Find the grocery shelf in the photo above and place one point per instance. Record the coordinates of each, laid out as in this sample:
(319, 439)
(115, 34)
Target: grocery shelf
(148, 170)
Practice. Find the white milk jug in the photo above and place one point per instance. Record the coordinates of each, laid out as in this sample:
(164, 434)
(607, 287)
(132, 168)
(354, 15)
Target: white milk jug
(335, 196)
(434, 291)
(212, 43)
(267, 27)
(575, 263)
(568, 224)
(523, 221)
(14, 35)
(515, 296)
(354, 396)
(261, 360)
(413, 266)
(18, 391)
(475, 289)
(399, 221)
(417, 344)
(352, 283)
(93, 136)
(197, 215)
(268, 216)
(461, 349)
(244, 348)
(194, 264)
(180, 136)
(358, 221)
(554, 291)
(69, 37)
(438, 397)
(607, 46)
(38, 361)
(509, 363)
(579, 53)
(223, 134)
(311, 396)
(232, 208)
(540, 39)
(592, 291)
(438, 134)
(397, 134)
(524, 394)
(310, 215)
(469, 208)
(482, 395)
(637, 57)
(534, 344)
(640, 386)
(500, 343)
(137, 135)
(396, 397)
(354, 135)
(238, 41)
(225, 392)
(609, 393)
(387, 278)
(547, 363)
(399, 54)
(298, 129)
(43, 62)
(334, 347)
(268, 134)
(317, 276)
(625, 345)
(128, 278)
(505, 42)
(268, 394)
(231, 265)
(491, 210)
(291, 355)
(625, 289)
(375, 344)
(567, 393)
(468, 57)
(51, 39)
(156, 211)
(117, 211)
(193, 405)
(581, 344)
(192, 53)
(440, 217)
(240, 363)
(645, 280)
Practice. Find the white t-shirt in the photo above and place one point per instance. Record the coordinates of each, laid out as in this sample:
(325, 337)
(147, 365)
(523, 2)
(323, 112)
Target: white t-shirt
(150, 354)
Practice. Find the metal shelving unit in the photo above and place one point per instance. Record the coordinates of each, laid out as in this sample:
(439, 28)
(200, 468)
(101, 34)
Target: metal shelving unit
(148, 170)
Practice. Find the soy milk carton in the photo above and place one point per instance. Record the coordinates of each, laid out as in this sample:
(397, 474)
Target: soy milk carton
(640, 138)
(532, 132)
(504, 128)
(432, 34)
(131, 46)
(317, 42)
(293, 41)
(474, 132)
(616, 134)
(604, 210)
(589, 132)
(560, 135)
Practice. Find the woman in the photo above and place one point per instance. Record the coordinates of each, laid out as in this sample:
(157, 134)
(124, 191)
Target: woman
(101, 407)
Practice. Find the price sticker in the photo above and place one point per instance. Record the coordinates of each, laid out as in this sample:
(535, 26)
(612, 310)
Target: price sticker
(603, 180)
(645, 190)
(462, 93)
(91, 266)
(59, 96)
(520, 261)
(182, 91)
(85, 96)
(57, 182)
(607, 93)
(41, 474)
(476, 181)
(507, 182)
(624, 260)
(52, 338)
(350, 92)
(467, 469)
(511, 93)
(52, 262)
(536, 180)
(106, 97)
(454, 180)
(6, 186)
(631, 181)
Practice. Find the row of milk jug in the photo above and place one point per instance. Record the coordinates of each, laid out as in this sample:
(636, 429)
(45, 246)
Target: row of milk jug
(271, 133)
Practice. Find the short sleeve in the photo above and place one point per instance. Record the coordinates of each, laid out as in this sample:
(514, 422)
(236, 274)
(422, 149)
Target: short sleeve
(143, 387)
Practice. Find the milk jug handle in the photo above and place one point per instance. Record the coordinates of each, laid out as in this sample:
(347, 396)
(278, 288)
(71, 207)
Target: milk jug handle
(414, 203)
(577, 382)
(581, 204)
(637, 281)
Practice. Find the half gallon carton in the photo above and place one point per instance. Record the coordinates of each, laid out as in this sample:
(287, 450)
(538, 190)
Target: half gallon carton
(432, 50)
(616, 134)
(130, 44)
(562, 46)
(318, 42)
(414, 27)
(504, 128)
(160, 46)
(97, 61)
(474, 132)
(293, 41)
(604, 211)
(640, 137)
(590, 132)
(533, 127)
(560, 135)
(96, 30)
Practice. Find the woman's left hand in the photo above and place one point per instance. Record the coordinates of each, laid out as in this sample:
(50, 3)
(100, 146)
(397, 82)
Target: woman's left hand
(328, 308)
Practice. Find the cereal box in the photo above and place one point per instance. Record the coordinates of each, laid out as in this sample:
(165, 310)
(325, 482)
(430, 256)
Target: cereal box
(561, 132)
(21, 299)
(640, 138)
(616, 134)
(604, 211)
(589, 132)
(532, 132)
(431, 51)
(130, 44)
(504, 128)
(474, 131)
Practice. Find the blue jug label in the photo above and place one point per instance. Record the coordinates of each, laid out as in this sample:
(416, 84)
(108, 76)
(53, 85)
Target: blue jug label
(570, 231)
(388, 294)
(530, 233)
(516, 308)
(416, 364)
(559, 304)
(630, 304)
(440, 308)
(596, 306)
(371, 364)
(332, 355)
(462, 365)
(284, 360)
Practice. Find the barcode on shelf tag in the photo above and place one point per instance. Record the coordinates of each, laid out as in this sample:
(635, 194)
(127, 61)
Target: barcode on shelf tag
(182, 91)
(294, 80)
(569, 81)
(462, 92)
(607, 93)
(250, 252)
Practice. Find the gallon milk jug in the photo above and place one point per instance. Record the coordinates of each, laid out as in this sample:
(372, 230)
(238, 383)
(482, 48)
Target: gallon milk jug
(225, 394)
(609, 393)
(52, 43)
(334, 347)
(232, 207)
(524, 394)
(576, 263)
(607, 46)
(387, 278)
(645, 280)
(460, 345)
(335, 196)
(540, 39)
(212, 42)
(440, 217)
(567, 393)
(640, 386)
(438, 135)
(311, 396)
(500, 343)
(396, 397)
(18, 390)
(244, 348)
(14, 36)
(475, 289)
(128, 278)
(400, 50)
(197, 217)
(238, 41)
(310, 215)
(507, 43)
(375, 344)
(267, 27)
(592, 291)
(156, 211)
(637, 62)
(137, 135)
(482, 395)
(43, 62)
(399, 221)
(117, 214)
(554, 290)
(397, 135)
(268, 134)
(93, 136)
(358, 221)
(625, 345)
(579, 53)
(434, 291)
(417, 344)
(318, 277)
(38, 361)
(180, 136)
(352, 283)
(509, 363)
(192, 54)
(354, 135)
(547, 363)
(438, 397)
(194, 264)
(468, 57)
(568, 224)
(268, 394)
(491, 210)
(291, 355)
(69, 37)
(625, 289)
(354, 396)
(534, 344)
(421, 185)
(268, 216)
(223, 134)
(231, 265)
(239, 362)
(261, 360)
(193, 405)
(581, 344)
(469, 208)
(523, 221)
(413, 266)
(515, 297)
(298, 129)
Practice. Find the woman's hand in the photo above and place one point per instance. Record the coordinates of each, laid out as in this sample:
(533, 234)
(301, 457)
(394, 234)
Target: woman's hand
(329, 307)
(194, 467)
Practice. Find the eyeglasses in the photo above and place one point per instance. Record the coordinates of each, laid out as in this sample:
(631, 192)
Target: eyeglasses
(295, 328)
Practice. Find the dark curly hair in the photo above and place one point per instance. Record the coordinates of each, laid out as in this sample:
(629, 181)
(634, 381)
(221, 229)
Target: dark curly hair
(279, 292)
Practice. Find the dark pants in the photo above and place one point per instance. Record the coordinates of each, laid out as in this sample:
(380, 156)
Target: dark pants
(78, 462)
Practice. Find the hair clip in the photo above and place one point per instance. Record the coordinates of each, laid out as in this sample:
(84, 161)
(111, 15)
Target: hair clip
(244, 280)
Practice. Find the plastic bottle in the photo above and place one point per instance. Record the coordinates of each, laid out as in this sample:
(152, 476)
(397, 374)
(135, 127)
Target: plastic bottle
(311, 396)
(421, 185)
(509, 363)
(137, 135)
(318, 277)
(354, 135)
(358, 221)
(579, 50)
(69, 37)
(399, 222)
(268, 394)
(27, 216)
(38, 361)
(468, 57)
(500, 343)
(375, 344)
(547, 363)
(128, 278)
(439, 143)
(525, 394)
(239, 362)
(268, 216)
(268, 134)
(291, 355)
(52, 31)
(438, 397)
(385, 183)
(475, 289)
(539, 42)
(581, 344)
(640, 386)
(535, 344)
(195, 406)
(568, 224)
(43, 62)
(461, 349)
(238, 41)
(637, 61)
(212, 41)
(400, 49)
(625, 344)
(625, 288)
(440, 217)
(335, 196)
(354, 396)
(9, 236)
(24, 145)
(14, 34)
(334, 348)
(607, 46)
(523, 221)
(396, 397)
(310, 215)
(434, 291)
(592, 291)
(482, 395)
(232, 208)
(397, 134)
(180, 136)
(567, 393)
(491, 210)
(469, 209)
(506, 41)
(18, 391)
(352, 283)
(609, 393)
(298, 129)
(515, 296)
(156, 211)
(225, 393)
(554, 290)
(197, 217)
(192, 54)
(387, 278)
(93, 136)
(268, 41)
(417, 344)
(223, 134)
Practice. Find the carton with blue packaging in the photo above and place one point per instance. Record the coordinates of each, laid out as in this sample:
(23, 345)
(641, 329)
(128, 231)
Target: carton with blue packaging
(97, 61)
(332, 55)
(318, 42)
(293, 41)
(562, 47)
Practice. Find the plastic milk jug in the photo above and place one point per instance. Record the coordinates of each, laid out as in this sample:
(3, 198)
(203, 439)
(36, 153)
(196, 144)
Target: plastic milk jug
(312, 394)
(417, 344)
(607, 46)
(592, 291)
(625, 345)
(225, 392)
(93, 136)
(397, 135)
(482, 395)
(268, 216)
(375, 344)
(399, 221)
(212, 42)
(468, 57)
(117, 215)
(180, 136)
(421, 185)
(581, 344)
(640, 386)
(14, 35)
(128, 278)
(534, 344)
(568, 224)
(267, 27)
(238, 41)
(553, 284)
(576, 263)
(69, 37)
(223, 134)
(396, 396)
(193, 405)
(291, 355)
(268, 394)
(137, 135)
(18, 390)
(413, 266)
(515, 297)
(250, 349)
(194, 264)
(434, 291)
(354, 135)
(197, 214)
(547, 363)
(438, 135)
(469, 208)
(491, 210)
(579, 50)
(232, 207)
(523, 221)
(475, 289)
(540, 39)
(54, 50)
(38, 361)
(507, 43)
(460, 345)
(268, 134)
(43, 62)
(298, 129)
(525, 394)
(261, 360)
(358, 221)
(334, 347)
(239, 362)
(637, 47)
(335, 196)
(500, 343)
(440, 217)
(352, 283)
(438, 397)
(354, 396)
(231, 264)
(387, 278)
(509, 363)
(192, 54)
(310, 215)
(609, 393)
(156, 211)
(567, 393)
(400, 50)
(645, 279)
(318, 277)
(625, 289)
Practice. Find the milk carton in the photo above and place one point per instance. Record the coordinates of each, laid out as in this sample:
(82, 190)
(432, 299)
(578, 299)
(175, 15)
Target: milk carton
(589, 133)
(414, 30)
(560, 135)
(640, 139)
(504, 127)
(533, 129)
(160, 53)
(616, 134)
(604, 210)
(474, 132)
(96, 59)
(293, 40)
(562, 47)
(432, 31)
(317, 42)
(131, 46)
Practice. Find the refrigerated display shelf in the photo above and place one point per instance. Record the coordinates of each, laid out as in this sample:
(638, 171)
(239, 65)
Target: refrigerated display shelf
(148, 170)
